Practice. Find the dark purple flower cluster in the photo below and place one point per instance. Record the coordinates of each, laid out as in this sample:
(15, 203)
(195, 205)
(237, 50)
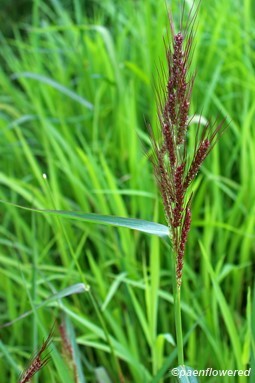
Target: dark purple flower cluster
(174, 172)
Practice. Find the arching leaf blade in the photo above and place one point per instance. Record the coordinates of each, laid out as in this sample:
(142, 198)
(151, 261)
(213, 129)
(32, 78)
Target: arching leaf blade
(141, 225)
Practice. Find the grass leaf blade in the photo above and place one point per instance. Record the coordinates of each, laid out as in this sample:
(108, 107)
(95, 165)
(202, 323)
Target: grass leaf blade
(129, 223)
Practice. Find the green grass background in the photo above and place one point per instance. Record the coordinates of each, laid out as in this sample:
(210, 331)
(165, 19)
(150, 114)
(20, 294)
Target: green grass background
(76, 89)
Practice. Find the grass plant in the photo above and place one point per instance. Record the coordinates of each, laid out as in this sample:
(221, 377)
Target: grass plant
(76, 87)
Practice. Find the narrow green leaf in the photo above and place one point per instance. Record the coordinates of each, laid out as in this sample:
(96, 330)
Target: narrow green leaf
(48, 81)
(130, 223)
(109, 44)
(102, 376)
(246, 353)
(78, 288)
(137, 71)
(112, 290)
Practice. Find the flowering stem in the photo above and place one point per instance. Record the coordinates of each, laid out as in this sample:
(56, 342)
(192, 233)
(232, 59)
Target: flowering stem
(177, 314)
(175, 169)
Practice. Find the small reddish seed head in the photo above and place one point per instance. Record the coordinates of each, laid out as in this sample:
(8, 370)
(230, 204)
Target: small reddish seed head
(39, 361)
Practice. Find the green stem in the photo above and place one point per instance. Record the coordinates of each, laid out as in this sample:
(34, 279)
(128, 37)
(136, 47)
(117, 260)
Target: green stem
(177, 315)
(178, 325)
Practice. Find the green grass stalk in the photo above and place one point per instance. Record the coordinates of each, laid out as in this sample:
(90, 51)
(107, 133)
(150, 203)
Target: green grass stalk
(178, 322)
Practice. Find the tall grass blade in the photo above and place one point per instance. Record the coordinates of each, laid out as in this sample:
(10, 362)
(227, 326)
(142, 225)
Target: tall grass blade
(129, 223)
(102, 376)
(78, 288)
(61, 88)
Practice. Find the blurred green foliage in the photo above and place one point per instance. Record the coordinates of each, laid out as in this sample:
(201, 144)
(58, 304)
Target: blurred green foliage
(76, 88)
